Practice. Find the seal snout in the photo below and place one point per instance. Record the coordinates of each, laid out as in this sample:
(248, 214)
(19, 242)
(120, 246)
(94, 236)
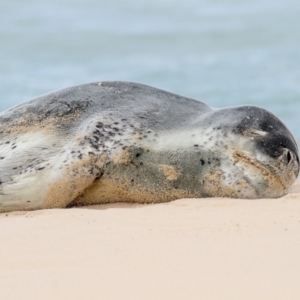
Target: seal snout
(290, 159)
(286, 156)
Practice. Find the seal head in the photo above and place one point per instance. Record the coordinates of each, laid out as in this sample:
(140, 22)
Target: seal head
(263, 151)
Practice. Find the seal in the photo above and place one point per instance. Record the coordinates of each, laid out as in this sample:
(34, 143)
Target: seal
(121, 141)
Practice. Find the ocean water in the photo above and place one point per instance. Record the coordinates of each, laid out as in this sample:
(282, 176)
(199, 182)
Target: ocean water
(222, 52)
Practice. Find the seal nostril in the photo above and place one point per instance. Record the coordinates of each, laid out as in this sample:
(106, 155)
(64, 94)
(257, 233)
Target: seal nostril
(288, 156)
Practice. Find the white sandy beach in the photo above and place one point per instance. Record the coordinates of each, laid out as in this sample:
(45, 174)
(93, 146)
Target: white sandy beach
(185, 249)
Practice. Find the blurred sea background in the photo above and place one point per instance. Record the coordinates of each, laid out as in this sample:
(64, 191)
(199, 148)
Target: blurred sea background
(222, 52)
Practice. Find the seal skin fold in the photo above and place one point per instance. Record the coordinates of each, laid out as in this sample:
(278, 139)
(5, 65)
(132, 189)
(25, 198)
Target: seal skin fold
(121, 141)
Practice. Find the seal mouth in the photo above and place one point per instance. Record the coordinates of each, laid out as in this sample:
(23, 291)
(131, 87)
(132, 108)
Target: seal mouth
(240, 157)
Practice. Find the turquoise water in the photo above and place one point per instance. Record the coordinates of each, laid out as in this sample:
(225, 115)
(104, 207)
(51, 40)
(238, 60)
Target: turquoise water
(222, 52)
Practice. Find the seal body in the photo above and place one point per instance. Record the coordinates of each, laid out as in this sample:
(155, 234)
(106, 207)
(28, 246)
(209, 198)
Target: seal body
(121, 141)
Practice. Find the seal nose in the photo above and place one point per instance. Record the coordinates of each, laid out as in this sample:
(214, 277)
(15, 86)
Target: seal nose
(290, 159)
(287, 156)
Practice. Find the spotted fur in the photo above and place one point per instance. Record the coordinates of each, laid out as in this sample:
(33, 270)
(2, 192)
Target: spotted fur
(118, 141)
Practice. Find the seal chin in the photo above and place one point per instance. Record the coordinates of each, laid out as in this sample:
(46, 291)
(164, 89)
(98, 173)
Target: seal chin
(269, 175)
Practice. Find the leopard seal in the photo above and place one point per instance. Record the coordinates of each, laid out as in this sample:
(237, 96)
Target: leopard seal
(122, 141)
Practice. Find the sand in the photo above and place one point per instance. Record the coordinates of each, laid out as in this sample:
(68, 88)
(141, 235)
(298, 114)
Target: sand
(186, 249)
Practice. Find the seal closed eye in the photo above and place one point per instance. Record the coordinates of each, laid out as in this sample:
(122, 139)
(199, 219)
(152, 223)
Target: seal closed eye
(121, 141)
